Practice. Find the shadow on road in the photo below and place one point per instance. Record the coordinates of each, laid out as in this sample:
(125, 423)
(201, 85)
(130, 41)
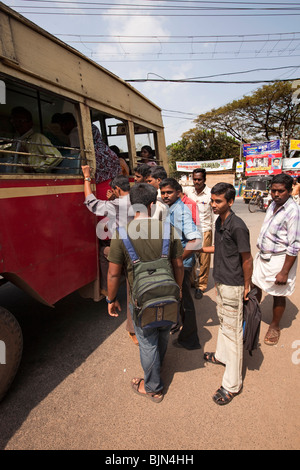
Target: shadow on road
(56, 342)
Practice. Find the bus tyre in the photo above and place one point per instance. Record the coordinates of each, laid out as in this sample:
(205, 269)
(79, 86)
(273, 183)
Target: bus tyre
(11, 347)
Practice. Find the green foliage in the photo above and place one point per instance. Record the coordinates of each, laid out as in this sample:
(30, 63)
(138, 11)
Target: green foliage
(269, 113)
(201, 145)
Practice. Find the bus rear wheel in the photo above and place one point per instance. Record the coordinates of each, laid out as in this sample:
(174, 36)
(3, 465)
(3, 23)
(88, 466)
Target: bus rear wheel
(11, 347)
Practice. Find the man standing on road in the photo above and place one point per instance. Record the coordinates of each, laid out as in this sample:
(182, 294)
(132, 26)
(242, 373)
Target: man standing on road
(181, 219)
(232, 274)
(116, 212)
(200, 193)
(275, 264)
(153, 341)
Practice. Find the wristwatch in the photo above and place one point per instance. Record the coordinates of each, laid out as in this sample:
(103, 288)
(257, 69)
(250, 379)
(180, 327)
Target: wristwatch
(87, 178)
(110, 301)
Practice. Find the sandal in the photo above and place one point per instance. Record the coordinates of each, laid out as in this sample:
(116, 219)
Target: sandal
(223, 396)
(272, 336)
(210, 357)
(153, 396)
(134, 338)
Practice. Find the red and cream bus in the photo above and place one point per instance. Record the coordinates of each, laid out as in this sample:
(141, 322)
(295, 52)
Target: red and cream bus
(48, 242)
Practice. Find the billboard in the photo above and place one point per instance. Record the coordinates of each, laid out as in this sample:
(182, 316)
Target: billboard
(261, 148)
(265, 164)
(209, 165)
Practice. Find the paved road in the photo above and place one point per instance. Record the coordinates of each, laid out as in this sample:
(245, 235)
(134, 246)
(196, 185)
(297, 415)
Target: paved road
(73, 387)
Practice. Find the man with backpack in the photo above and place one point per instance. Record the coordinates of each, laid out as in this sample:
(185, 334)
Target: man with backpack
(150, 251)
(232, 274)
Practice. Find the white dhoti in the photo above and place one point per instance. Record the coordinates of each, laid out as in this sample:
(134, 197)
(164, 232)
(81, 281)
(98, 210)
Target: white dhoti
(265, 271)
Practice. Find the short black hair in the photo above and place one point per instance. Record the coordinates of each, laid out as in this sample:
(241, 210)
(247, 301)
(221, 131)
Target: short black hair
(121, 181)
(200, 170)
(158, 172)
(224, 188)
(21, 110)
(283, 178)
(172, 182)
(143, 169)
(142, 194)
(68, 117)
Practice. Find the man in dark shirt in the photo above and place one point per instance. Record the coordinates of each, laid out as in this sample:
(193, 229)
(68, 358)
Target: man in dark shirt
(232, 274)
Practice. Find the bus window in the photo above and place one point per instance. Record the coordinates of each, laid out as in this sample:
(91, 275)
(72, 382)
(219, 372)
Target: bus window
(111, 135)
(32, 137)
(145, 142)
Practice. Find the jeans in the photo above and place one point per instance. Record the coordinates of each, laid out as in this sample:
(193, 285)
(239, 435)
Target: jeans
(153, 343)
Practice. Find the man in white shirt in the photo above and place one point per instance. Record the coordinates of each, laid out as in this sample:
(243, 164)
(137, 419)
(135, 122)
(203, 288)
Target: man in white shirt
(200, 193)
(155, 176)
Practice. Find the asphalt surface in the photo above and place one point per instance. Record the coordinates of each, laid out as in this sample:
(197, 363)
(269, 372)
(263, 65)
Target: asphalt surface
(73, 391)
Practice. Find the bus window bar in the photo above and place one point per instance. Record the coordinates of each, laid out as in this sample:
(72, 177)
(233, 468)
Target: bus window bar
(51, 155)
(26, 165)
(16, 141)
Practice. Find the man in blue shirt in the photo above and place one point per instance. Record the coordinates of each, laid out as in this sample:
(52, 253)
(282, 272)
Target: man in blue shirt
(181, 219)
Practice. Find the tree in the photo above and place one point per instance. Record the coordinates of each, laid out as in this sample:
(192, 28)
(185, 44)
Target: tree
(269, 113)
(202, 145)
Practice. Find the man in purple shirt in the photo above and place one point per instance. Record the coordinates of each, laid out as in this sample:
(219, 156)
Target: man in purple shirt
(275, 264)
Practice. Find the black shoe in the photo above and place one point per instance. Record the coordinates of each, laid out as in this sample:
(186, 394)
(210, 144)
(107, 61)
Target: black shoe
(198, 294)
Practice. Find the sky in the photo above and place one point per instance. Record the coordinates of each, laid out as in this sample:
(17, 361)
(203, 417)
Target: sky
(166, 40)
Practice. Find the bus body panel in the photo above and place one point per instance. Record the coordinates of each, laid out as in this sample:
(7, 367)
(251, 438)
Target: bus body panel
(48, 238)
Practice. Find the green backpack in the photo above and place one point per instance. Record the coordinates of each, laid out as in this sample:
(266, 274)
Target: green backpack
(155, 293)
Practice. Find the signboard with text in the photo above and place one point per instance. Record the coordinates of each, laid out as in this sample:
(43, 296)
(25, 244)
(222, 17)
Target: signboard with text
(265, 164)
(261, 148)
(209, 165)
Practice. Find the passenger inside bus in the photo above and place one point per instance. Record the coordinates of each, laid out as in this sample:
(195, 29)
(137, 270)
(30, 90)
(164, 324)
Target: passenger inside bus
(124, 167)
(147, 155)
(55, 134)
(42, 155)
(69, 127)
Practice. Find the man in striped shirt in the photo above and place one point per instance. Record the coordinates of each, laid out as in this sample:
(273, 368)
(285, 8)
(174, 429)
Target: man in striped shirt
(275, 264)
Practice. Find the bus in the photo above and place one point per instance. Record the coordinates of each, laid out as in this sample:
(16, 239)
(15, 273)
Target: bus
(48, 242)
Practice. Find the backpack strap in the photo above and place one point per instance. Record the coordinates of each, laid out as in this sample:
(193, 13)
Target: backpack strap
(128, 245)
(130, 248)
(166, 238)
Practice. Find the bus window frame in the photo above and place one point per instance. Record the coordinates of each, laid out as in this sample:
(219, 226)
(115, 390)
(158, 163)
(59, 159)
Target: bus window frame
(19, 87)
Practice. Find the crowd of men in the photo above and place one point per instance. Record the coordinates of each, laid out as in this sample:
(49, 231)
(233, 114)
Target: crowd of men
(202, 223)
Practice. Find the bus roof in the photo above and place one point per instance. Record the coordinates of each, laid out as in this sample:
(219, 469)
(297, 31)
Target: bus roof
(60, 65)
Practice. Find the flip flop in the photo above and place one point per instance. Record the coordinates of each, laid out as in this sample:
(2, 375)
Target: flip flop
(157, 397)
(272, 336)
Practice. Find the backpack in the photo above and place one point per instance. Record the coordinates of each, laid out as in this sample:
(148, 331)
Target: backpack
(251, 322)
(155, 293)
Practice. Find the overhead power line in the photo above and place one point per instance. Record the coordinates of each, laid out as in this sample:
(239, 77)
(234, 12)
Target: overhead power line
(169, 9)
(242, 82)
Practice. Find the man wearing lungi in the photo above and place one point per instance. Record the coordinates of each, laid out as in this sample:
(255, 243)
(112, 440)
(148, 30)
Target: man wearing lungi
(275, 264)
